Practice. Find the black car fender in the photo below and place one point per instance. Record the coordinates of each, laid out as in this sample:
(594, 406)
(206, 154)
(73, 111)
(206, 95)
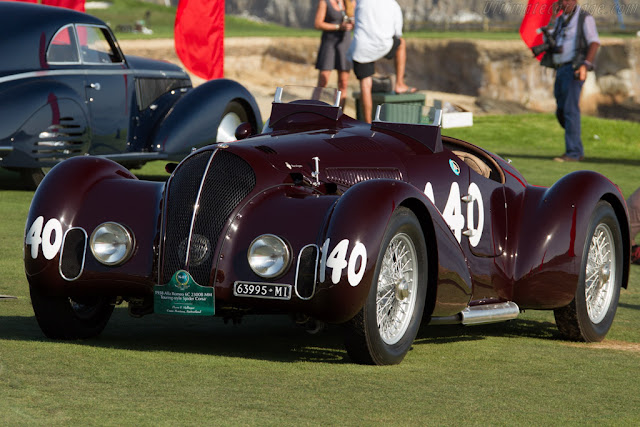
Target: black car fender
(37, 107)
(354, 235)
(550, 243)
(193, 121)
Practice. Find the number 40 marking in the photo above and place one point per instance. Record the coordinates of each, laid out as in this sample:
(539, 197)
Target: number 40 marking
(39, 235)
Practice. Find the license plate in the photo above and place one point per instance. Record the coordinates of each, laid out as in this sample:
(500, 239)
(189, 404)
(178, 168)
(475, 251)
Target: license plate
(262, 290)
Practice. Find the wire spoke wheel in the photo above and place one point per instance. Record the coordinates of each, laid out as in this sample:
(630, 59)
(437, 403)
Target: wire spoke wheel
(397, 288)
(589, 316)
(601, 273)
(382, 332)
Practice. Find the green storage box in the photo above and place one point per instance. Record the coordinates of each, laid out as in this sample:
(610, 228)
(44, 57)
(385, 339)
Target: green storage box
(408, 109)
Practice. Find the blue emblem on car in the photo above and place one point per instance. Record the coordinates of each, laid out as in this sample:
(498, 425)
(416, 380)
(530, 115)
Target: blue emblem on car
(182, 279)
(454, 167)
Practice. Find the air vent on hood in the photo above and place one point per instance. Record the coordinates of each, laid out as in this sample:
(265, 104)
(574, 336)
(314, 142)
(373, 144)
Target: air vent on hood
(266, 149)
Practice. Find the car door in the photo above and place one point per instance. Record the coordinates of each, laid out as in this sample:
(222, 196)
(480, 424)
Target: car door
(109, 89)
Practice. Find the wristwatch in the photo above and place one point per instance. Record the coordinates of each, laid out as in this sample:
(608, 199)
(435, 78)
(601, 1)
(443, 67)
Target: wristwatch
(588, 64)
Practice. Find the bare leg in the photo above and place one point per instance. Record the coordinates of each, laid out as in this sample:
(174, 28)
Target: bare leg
(323, 78)
(343, 80)
(367, 100)
(401, 63)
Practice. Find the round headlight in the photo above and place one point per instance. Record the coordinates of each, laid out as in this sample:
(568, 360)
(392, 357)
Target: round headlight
(268, 256)
(111, 243)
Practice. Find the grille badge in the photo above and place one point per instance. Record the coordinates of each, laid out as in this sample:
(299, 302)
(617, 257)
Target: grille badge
(199, 252)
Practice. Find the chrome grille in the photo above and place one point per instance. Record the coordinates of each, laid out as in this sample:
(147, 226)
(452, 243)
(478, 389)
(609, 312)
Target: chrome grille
(352, 176)
(229, 179)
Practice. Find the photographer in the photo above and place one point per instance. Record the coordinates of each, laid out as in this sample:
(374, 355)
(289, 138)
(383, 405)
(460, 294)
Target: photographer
(573, 53)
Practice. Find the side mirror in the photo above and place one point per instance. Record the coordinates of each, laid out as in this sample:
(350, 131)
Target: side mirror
(243, 131)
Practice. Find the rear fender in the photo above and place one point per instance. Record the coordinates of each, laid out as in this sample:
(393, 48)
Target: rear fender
(38, 107)
(193, 121)
(352, 243)
(80, 194)
(549, 255)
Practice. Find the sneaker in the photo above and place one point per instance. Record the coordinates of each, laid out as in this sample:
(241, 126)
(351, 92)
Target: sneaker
(635, 254)
(566, 158)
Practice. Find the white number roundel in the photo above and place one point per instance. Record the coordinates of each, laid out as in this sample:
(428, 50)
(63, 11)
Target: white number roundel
(452, 212)
(336, 260)
(49, 236)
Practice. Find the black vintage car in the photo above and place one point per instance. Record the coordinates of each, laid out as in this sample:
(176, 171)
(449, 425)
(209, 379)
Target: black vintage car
(66, 89)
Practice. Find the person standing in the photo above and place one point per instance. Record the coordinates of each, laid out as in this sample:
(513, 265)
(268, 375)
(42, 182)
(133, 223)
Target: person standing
(336, 28)
(377, 34)
(577, 43)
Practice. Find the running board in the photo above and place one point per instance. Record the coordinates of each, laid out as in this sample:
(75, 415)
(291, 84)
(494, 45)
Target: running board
(479, 314)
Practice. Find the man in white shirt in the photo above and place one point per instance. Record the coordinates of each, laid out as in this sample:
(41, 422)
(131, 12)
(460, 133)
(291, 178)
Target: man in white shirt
(576, 52)
(377, 34)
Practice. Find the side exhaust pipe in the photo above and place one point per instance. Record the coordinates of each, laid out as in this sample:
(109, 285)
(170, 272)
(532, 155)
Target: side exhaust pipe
(480, 314)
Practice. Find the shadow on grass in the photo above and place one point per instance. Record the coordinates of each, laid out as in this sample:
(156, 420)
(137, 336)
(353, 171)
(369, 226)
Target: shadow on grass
(520, 328)
(274, 338)
(12, 181)
(631, 306)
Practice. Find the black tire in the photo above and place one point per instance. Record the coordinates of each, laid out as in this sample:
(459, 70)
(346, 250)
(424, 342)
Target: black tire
(365, 340)
(589, 319)
(233, 115)
(70, 318)
(33, 177)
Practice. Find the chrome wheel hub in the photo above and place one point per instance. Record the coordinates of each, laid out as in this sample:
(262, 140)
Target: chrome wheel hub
(600, 274)
(227, 128)
(397, 288)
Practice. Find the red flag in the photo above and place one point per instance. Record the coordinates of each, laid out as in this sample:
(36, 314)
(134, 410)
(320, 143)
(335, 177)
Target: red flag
(199, 37)
(69, 4)
(538, 14)
(25, 1)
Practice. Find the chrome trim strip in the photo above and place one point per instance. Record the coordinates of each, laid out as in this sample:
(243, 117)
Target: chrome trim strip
(84, 253)
(89, 72)
(195, 209)
(315, 272)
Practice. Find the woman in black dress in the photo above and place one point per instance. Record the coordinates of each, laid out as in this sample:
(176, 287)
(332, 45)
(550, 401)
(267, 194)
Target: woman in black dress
(336, 29)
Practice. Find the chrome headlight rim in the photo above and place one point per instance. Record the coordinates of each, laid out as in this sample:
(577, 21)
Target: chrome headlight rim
(129, 243)
(286, 256)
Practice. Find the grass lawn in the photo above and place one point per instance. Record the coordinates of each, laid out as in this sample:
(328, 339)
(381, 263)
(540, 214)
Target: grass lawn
(267, 371)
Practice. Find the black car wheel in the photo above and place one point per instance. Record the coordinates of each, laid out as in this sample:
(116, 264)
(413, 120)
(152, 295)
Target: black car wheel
(383, 331)
(33, 177)
(232, 117)
(590, 315)
(70, 318)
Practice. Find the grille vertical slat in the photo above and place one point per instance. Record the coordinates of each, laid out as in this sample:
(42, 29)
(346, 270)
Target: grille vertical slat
(229, 180)
(181, 198)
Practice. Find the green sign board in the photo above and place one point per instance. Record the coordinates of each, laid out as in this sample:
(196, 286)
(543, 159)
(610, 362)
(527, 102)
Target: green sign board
(182, 295)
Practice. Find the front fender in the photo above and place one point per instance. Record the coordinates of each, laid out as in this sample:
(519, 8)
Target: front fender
(352, 243)
(193, 121)
(73, 199)
(550, 242)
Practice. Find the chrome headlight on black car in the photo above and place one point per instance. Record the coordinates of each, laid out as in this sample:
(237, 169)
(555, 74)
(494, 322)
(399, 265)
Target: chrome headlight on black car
(269, 256)
(111, 243)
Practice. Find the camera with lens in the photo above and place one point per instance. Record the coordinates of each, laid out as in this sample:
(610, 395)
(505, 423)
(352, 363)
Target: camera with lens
(548, 43)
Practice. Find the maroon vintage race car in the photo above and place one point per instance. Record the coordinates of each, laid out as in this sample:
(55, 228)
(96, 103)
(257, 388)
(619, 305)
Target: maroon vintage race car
(380, 227)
